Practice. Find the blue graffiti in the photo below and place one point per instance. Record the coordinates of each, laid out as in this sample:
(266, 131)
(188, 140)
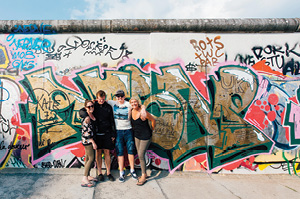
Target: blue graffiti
(37, 44)
(23, 60)
(33, 29)
(2, 90)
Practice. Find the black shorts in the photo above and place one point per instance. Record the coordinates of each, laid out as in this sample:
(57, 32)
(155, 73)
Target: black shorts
(104, 142)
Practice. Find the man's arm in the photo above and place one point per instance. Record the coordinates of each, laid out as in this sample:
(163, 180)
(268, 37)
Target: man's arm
(112, 122)
(83, 113)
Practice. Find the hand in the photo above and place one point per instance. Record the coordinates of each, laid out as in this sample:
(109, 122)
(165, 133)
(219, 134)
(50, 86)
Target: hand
(113, 138)
(94, 146)
(143, 113)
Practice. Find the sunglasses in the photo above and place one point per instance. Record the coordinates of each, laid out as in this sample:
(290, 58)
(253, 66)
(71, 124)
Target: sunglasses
(92, 106)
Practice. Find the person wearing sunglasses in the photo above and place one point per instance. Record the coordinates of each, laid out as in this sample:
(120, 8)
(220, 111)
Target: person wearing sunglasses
(87, 139)
(105, 133)
(124, 134)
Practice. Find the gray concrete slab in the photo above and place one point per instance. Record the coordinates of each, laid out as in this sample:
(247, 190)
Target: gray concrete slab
(65, 184)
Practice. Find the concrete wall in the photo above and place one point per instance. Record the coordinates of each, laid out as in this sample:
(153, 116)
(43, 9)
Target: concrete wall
(225, 101)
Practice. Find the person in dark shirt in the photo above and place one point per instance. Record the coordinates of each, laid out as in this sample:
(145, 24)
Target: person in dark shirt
(105, 133)
(142, 134)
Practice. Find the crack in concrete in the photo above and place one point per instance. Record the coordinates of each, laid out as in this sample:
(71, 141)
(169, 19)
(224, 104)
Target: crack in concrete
(164, 194)
(224, 187)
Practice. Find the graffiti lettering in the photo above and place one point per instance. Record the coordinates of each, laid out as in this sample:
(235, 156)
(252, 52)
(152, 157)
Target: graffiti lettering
(6, 127)
(13, 146)
(291, 68)
(98, 48)
(184, 118)
(2, 145)
(191, 67)
(208, 52)
(276, 56)
(15, 162)
(18, 146)
(10, 71)
(33, 29)
(55, 164)
(37, 44)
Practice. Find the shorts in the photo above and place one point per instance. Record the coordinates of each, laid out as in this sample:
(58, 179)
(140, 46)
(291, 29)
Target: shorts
(104, 142)
(124, 137)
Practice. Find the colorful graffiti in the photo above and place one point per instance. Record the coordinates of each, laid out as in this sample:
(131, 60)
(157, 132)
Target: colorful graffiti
(185, 120)
(212, 114)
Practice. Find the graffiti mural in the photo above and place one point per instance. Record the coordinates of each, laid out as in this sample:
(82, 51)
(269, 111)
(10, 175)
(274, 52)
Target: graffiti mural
(187, 124)
(217, 109)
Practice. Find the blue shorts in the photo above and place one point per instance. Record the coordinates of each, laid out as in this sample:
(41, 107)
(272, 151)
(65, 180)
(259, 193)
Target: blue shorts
(124, 137)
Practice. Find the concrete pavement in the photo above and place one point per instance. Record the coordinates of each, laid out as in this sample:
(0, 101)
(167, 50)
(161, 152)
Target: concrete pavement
(65, 183)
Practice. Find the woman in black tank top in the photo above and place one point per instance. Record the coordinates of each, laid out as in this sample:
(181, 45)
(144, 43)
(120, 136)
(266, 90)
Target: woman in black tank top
(142, 134)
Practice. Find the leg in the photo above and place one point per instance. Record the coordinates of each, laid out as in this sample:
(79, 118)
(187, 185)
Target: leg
(144, 144)
(107, 160)
(121, 163)
(130, 149)
(131, 161)
(99, 160)
(89, 159)
(120, 153)
(137, 144)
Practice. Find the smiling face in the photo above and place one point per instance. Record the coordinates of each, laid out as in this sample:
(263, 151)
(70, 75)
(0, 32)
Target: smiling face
(100, 99)
(89, 107)
(120, 99)
(134, 104)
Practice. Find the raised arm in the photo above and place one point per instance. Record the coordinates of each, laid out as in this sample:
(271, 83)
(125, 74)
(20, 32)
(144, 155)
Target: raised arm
(152, 119)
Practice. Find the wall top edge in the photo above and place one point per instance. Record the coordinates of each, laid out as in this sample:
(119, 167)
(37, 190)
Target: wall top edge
(248, 25)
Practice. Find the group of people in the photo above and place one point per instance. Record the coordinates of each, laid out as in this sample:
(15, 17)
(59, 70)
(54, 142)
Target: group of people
(108, 125)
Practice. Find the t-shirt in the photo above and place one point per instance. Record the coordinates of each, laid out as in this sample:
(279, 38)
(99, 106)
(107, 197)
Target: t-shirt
(121, 114)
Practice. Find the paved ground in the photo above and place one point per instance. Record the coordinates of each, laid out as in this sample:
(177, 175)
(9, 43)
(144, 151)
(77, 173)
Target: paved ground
(65, 183)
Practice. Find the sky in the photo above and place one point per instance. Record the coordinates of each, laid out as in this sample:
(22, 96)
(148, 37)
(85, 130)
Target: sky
(146, 9)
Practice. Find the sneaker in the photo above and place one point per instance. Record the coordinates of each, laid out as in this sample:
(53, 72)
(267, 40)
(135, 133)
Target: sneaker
(101, 177)
(133, 175)
(122, 178)
(111, 178)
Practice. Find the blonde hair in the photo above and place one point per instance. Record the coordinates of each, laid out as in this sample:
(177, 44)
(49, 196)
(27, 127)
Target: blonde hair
(139, 104)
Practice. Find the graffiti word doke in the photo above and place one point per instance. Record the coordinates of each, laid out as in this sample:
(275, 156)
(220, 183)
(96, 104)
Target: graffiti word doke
(13, 146)
(208, 51)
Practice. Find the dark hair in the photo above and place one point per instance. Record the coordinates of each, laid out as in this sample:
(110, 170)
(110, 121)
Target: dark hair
(101, 93)
(87, 101)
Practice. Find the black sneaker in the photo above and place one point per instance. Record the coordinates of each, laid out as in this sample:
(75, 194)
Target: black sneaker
(133, 175)
(111, 178)
(122, 178)
(101, 177)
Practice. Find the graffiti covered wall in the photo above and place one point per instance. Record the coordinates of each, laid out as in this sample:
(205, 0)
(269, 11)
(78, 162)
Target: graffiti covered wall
(223, 102)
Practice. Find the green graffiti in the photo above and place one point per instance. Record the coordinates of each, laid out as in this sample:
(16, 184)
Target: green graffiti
(187, 124)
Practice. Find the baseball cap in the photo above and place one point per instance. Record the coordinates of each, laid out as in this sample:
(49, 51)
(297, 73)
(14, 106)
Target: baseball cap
(120, 93)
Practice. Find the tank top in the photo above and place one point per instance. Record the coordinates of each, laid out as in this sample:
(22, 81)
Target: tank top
(141, 129)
